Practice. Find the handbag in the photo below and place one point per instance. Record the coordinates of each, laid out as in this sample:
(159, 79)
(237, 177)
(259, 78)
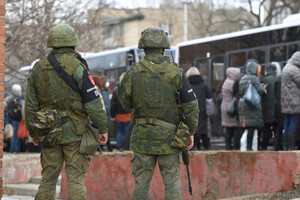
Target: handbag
(210, 107)
(251, 97)
(90, 141)
(22, 130)
(231, 108)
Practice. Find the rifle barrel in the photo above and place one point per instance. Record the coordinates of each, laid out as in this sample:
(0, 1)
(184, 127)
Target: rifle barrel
(189, 178)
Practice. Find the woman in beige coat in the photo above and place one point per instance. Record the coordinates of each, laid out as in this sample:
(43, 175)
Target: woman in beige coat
(230, 123)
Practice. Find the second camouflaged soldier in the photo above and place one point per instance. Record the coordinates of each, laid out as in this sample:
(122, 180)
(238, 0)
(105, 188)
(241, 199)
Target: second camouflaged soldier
(56, 116)
(156, 114)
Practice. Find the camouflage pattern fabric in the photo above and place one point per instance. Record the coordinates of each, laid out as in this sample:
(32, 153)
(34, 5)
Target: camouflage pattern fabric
(46, 90)
(47, 124)
(181, 136)
(62, 35)
(154, 38)
(151, 138)
(52, 159)
(47, 93)
(143, 168)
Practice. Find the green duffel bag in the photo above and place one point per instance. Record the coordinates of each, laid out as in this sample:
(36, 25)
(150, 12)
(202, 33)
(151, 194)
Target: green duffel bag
(90, 141)
(47, 127)
(181, 136)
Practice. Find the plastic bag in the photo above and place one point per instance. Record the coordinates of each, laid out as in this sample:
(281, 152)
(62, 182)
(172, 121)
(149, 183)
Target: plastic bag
(210, 107)
(8, 131)
(251, 97)
(244, 141)
(22, 130)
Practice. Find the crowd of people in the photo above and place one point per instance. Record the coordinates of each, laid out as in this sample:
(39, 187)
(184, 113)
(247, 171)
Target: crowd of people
(14, 140)
(64, 114)
(276, 118)
(270, 122)
(118, 119)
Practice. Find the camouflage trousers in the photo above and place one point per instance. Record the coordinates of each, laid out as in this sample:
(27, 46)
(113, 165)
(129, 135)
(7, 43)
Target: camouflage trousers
(76, 165)
(143, 168)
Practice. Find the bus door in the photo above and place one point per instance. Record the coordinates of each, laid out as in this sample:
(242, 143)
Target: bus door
(213, 72)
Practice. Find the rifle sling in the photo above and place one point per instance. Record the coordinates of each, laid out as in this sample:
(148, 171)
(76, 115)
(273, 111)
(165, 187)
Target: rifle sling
(62, 73)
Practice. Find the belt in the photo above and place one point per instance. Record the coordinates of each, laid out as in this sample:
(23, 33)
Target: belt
(156, 122)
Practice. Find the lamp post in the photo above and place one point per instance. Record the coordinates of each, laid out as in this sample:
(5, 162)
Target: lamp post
(185, 20)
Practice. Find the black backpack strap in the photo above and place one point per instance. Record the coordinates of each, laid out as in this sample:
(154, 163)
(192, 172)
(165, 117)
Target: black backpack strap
(61, 72)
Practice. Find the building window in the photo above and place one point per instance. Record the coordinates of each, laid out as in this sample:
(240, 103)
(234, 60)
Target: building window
(168, 28)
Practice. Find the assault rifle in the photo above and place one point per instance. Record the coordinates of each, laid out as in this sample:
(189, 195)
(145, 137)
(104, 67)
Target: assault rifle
(185, 154)
(186, 161)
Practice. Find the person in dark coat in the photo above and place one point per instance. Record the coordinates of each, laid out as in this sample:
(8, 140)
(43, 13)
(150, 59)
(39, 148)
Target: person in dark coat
(250, 118)
(290, 98)
(231, 124)
(102, 84)
(268, 105)
(121, 116)
(202, 93)
(236, 92)
(278, 115)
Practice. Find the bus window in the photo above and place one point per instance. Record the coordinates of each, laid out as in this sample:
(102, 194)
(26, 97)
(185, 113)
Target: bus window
(259, 55)
(278, 53)
(130, 59)
(114, 74)
(202, 65)
(293, 48)
(237, 59)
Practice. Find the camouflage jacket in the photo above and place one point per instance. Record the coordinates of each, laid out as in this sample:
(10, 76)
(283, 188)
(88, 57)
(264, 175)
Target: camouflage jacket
(152, 102)
(45, 89)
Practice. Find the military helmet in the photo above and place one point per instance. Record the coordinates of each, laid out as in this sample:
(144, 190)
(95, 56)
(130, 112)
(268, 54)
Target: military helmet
(154, 38)
(62, 35)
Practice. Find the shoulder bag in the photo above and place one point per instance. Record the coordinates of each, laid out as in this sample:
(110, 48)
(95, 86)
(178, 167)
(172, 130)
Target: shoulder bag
(231, 108)
(251, 97)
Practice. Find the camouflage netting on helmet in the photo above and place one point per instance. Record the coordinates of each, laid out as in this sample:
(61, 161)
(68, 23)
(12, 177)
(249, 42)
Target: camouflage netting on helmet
(62, 35)
(154, 38)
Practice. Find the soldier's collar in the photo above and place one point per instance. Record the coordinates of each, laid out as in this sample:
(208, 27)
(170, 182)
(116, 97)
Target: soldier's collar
(157, 58)
(63, 50)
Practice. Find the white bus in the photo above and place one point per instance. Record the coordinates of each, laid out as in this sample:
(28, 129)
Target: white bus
(213, 55)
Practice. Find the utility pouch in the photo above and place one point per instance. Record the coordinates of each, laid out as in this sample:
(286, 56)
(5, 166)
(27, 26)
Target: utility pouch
(181, 136)
(47, 127)
(90, 141)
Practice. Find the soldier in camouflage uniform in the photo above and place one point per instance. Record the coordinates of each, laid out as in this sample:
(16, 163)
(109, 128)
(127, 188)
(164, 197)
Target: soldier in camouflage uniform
(156, 114)
(56, 116)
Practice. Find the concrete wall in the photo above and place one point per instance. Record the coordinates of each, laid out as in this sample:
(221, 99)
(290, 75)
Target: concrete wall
(2, 89)
(214, 175)
(21, 167)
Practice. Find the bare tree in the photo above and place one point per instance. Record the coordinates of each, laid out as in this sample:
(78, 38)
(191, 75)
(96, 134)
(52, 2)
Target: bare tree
(28, 25)
(207, 19)
(263, 12)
